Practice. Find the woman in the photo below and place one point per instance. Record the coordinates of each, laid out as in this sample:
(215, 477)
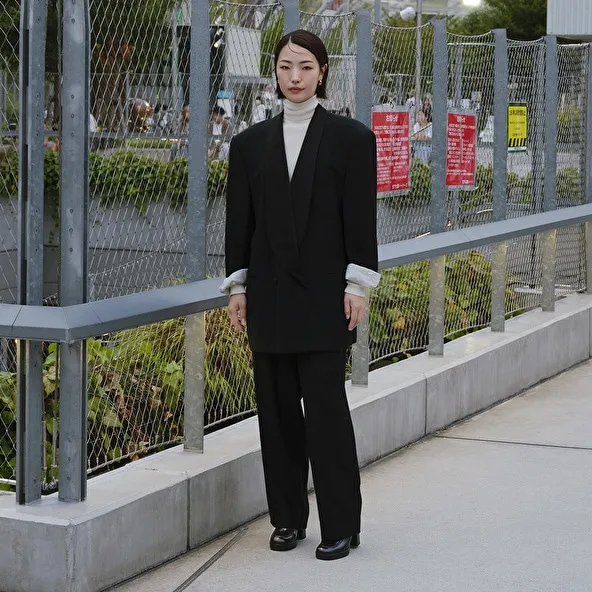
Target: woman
(300, 253)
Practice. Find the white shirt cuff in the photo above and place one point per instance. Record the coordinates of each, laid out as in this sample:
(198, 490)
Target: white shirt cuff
(362, 276)
(238, 278)
(238, 289)
(356, 290)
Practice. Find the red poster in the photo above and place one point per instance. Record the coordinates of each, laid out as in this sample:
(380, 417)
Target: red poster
(461, 150)
(392, 150)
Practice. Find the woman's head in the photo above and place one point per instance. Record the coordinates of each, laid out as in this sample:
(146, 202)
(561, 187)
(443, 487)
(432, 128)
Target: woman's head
(301, 66)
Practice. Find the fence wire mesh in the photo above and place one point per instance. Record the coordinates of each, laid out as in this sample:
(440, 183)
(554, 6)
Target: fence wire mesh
(242, 93)
(9, 122)
(138, 178)
(573, 74)
(399, 308)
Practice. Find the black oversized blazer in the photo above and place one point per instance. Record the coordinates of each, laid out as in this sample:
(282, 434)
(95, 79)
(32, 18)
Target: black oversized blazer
(296, 238)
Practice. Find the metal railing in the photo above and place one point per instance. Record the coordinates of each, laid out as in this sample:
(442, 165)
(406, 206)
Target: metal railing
(152, 384)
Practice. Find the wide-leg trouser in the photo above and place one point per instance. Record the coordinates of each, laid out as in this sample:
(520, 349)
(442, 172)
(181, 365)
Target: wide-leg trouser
(324, 434)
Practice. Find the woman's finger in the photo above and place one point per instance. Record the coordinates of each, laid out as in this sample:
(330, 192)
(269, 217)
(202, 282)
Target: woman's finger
(234, 319)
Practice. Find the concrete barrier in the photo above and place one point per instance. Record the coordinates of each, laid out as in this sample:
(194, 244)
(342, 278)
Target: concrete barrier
(152, 510)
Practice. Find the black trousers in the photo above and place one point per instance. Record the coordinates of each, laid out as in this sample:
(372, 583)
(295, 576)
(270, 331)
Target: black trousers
(323, 433)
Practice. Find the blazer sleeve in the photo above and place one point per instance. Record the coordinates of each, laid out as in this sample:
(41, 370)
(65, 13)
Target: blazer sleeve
(359, 207)
(240, 216)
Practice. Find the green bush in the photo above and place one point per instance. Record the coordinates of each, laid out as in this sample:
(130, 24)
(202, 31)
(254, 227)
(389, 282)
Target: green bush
(123, 177)
(139, 374)
(569, 185)
(570, 125)
(399, 306)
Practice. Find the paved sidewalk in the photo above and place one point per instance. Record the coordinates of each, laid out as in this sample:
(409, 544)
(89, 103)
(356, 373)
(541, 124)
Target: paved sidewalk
(499, 503)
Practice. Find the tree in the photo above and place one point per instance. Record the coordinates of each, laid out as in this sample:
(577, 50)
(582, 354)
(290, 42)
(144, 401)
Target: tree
(523, 19)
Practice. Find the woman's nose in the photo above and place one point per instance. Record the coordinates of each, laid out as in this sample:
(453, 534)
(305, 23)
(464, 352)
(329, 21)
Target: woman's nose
(295, 76)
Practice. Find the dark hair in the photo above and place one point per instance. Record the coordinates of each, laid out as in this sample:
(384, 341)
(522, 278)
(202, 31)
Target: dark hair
(217, 110)
(312, 43)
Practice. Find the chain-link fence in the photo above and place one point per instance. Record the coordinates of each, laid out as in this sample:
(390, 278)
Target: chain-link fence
(138, 169)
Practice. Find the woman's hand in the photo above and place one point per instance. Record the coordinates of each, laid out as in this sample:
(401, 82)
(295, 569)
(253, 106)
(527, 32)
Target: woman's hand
(354, 307)
(237, 311)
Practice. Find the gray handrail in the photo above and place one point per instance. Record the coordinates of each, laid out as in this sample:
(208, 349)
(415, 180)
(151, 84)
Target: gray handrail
(81, 321)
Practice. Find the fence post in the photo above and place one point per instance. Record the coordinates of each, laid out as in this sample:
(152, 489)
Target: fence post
(291, 15)
(377, 11)
(30, 267)
(588, 172)
(500, 178)
(197, 188)
(438, 204)
(550, 173)
(360, 350)
(74, 196)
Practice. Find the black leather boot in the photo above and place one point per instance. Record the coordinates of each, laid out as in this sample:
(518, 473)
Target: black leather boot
(285, 539)
(329, 550)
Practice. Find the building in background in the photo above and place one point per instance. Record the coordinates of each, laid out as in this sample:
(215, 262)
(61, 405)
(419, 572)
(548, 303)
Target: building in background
(570, 18)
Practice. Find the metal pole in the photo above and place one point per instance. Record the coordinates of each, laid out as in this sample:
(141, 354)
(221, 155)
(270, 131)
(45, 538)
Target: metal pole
(74, 195)
(360, 350)
(550, 173)
(197, 191)
(29, 358)
(291, 15)
(377, 11)
(418, 30)
(439, 191)
(500, 178)
(588, 173)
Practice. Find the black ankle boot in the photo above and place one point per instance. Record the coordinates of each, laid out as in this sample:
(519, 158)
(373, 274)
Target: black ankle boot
(284, 539)
(329, 550)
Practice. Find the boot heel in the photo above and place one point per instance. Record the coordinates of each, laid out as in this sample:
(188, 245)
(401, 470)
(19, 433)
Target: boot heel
(355, 540)
(301, 534)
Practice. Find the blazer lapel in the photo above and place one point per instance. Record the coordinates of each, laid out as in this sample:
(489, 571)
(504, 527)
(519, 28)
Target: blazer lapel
(301, 186)
(279, 212)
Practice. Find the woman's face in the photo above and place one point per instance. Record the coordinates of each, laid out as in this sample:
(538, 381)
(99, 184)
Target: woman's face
(298, 73)
(421, 118)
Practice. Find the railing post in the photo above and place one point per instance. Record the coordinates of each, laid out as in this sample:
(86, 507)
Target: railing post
(550, 173)
(30, 267)
(588, 172)
(291, 15)
(438, 205)
(500, 178)
(197, 191)
(360, 350)
(74, 195)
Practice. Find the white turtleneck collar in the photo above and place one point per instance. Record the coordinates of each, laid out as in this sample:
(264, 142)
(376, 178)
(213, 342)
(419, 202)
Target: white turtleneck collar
(294, 112)
(297, 117)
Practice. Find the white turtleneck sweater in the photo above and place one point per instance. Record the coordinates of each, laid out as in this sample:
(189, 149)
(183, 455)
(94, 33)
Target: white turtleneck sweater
(297, 117)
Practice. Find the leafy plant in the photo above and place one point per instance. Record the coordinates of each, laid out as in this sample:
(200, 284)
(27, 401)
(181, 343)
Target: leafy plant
(399, 306)
(135, 391)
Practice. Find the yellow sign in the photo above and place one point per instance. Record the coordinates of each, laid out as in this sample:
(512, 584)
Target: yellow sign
(517, 126)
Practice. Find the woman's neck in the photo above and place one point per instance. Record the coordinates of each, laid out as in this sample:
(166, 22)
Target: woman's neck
(295, 112)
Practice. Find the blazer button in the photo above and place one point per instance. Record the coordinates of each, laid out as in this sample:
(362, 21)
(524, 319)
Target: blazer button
(275, 281)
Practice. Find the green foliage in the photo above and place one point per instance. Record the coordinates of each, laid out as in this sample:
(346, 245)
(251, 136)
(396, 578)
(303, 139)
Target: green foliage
(523, 19)
(394, 60)
(269, 39)
(125, 177)
(569, 186)
(399, 306)
(570, 125)
(135, 390)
